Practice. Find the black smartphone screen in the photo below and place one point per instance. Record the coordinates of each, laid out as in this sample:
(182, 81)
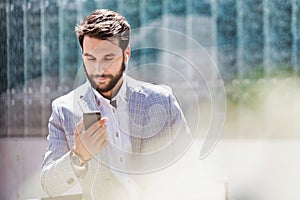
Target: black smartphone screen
(90, 118)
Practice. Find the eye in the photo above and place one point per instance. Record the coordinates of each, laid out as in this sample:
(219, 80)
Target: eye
(108, 58)
(91, 58)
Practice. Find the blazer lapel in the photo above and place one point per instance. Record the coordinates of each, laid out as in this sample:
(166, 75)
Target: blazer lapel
(135, 98)
(86, 99)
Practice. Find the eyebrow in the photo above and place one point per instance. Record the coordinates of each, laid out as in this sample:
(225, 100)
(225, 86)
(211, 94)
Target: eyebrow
(107, 55)
(87, 54)
(110, 54)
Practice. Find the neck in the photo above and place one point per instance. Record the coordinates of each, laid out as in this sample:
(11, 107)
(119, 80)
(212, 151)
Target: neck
(113, 92)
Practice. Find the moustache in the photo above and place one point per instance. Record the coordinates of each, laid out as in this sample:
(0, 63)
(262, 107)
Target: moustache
(102, 76)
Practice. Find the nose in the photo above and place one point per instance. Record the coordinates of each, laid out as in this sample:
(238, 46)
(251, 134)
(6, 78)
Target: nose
(100, 67)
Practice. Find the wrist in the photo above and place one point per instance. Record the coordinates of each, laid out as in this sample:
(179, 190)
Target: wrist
(82, 157)
(79, 166)
(76, 159)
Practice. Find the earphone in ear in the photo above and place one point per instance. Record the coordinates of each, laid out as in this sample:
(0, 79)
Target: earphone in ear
(126, 58)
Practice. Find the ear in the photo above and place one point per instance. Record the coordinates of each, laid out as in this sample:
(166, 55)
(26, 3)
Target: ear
(127, 53)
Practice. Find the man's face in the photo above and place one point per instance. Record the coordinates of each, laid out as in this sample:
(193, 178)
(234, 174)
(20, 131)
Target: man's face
(104, 63)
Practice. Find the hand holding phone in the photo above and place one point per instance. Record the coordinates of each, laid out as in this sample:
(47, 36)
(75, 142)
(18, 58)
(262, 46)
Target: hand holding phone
(90, 136)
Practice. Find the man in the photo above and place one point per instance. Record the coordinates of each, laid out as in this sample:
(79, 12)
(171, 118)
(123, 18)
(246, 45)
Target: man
(142, 127)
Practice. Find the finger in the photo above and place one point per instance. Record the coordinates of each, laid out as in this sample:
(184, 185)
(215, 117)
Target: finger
(103, 144)
(97, 134)
(102, 121)
(104, 126)
(79, 127)
(102, 137)
(96, 147)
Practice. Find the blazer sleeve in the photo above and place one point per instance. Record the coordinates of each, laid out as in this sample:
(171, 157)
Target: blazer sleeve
(57, 174)
(168, 128)
(181, 135)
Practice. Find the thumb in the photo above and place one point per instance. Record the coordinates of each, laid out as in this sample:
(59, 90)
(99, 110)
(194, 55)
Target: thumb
(79, 127)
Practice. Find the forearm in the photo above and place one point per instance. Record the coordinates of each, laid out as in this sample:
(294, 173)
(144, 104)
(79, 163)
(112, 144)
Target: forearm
(58, 173)
(58, 176)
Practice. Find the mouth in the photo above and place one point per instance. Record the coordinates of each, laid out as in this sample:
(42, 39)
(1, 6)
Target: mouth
(101, 78)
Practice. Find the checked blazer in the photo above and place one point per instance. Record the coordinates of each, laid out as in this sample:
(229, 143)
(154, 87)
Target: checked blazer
(158, 135)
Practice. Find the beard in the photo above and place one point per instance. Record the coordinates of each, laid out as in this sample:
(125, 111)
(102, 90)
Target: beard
(112, 82)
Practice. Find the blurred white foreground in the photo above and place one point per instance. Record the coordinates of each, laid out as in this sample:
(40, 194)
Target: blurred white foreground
(251, 169)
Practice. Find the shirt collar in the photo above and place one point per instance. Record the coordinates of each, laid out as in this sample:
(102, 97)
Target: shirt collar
(121, 95)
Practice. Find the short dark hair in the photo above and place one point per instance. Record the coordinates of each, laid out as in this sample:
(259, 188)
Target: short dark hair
(103, 24)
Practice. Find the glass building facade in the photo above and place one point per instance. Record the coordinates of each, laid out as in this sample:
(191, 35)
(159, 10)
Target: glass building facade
(40, 54)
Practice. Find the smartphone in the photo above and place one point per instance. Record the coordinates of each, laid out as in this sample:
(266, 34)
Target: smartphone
(90, 118)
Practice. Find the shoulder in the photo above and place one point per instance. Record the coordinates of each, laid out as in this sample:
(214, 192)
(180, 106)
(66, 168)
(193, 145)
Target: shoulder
(148, 89)
(71, 97)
